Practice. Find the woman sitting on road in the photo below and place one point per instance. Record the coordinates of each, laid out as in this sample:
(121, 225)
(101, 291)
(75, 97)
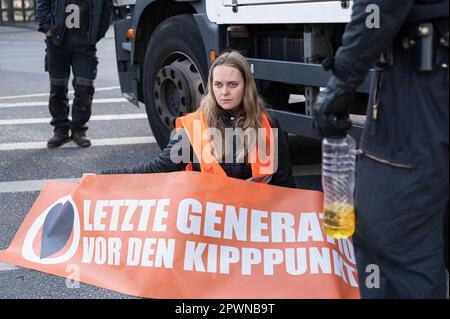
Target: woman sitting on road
(245, 143)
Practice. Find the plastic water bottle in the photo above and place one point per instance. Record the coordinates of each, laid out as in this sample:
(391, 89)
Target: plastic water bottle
(338, 181)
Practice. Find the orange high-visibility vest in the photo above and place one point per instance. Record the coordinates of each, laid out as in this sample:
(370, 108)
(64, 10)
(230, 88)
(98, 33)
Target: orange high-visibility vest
(195, 124)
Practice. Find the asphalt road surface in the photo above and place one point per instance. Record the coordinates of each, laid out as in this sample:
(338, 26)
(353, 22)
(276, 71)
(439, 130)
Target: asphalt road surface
(121, 137)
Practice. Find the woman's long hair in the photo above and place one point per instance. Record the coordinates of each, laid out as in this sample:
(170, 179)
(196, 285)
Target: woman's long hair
(249, 113)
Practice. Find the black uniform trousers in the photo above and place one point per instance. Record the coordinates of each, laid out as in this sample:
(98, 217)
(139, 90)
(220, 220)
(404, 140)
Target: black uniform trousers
(402, 183)
(76, 52)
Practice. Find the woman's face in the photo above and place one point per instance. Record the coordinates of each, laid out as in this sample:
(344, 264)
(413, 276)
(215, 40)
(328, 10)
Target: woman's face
(228, 86)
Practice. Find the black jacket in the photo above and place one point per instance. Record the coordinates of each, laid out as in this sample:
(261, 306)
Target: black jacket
(51, 15)
(361, 46)
(163, 163)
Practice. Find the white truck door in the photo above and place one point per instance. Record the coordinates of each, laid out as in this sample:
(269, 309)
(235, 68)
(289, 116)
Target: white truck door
(247, 2)
(277, 11)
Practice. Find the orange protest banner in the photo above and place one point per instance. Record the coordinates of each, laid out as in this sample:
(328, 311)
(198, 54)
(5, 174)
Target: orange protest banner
(185, 235)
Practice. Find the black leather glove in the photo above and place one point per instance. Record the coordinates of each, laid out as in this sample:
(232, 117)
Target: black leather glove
(331, 108)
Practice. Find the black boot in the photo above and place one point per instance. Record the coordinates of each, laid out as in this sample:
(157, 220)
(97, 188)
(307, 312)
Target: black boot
(80, 139)
(58, 140)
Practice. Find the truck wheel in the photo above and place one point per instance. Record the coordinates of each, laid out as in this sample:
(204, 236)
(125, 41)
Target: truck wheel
(174, 74)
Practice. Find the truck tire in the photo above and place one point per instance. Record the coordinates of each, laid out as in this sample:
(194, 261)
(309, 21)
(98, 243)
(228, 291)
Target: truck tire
(174, 74)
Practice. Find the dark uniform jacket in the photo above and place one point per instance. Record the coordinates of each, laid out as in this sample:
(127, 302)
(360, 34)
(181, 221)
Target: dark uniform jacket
(404, 148)
(51, 15)
(163, 163)
(361, 46)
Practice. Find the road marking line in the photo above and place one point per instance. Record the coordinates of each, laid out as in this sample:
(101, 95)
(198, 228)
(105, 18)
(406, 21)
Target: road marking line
(307, 170)
(7, 267)
(28, 104)
(109, 117)
(37, 185)
(97, 142)
(30, 186)
(19, 42)
(47, 94)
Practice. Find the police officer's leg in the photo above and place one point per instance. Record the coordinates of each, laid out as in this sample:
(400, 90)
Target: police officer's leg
(402, 186)
(58, 59)
(432, 138)
(403, 241)
(382, 205)
(84, 63)
(446, 238)
(371, 279)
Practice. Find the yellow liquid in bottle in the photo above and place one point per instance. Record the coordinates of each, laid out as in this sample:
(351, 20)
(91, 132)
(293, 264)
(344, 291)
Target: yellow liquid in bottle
(339, 220)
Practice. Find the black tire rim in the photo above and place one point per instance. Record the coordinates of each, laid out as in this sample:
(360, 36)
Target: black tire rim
(178, 88)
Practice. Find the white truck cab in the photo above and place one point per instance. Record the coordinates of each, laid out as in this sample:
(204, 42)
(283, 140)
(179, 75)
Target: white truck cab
(273, 11)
